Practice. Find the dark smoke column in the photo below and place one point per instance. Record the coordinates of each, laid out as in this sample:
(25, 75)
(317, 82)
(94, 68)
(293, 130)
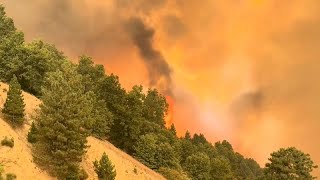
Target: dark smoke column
(158, 68)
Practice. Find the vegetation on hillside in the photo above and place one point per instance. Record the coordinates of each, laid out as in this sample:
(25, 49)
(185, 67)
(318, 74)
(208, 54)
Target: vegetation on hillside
(32, 134)
(289, 163)
(14, 106)
(7, 142)
(62, 123)
(104, 168)
(79, 100)
(8, 176)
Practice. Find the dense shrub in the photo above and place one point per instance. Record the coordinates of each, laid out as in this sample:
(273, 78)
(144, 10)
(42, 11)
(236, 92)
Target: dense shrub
(172, 174)
(83, 174)
(7, 142)
(11, 176)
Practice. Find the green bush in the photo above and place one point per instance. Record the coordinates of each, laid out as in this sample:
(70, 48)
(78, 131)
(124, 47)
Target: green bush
(11, 176)
(83, 174)
(135, 170)
(172, 174)
(198, 166)
(7, 142)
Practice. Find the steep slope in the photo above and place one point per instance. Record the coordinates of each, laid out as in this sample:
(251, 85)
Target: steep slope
(18, 160)
(125, 165)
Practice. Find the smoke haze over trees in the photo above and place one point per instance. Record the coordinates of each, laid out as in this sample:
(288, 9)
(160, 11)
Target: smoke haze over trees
(230, 47)
(267, 104)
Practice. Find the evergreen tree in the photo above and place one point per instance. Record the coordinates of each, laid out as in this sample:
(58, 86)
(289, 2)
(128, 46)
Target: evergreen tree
(104, 168)
(130, 121)
(110, 91)
(14, 106)
(32, 134)
(103, 120)
(173, 129)
(156, 153)
(198, 166)
(187, 136)
(11, 47)
(38, 59)
(28, 61)
(197, 139)
(6, 24)
(65, 114)
(186, 150)
(145, 150)
(155, 107)
(242, 168)
(220, 169)
(289, 164)
(166, 156)
(91, 74)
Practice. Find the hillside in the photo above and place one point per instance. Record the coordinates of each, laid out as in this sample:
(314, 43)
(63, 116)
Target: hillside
(18, 160)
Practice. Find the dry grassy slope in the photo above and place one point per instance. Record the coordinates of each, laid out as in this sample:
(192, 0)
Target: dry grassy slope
(18, 160)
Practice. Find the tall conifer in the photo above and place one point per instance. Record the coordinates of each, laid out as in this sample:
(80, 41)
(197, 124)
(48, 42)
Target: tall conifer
(62, 122)
(14, 106)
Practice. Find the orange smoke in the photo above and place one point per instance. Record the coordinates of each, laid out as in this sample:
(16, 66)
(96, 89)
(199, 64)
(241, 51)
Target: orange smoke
(169, 116)
(243, 71)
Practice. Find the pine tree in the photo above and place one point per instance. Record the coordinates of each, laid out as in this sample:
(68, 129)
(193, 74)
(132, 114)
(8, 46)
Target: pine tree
(290, 163)
(32, 133)
(104, 168)
(187, 136)
(154, 152)
(11, 46)
(103, 120)
(64, 115)
(198, 166)
(14, 105)
(173, 129)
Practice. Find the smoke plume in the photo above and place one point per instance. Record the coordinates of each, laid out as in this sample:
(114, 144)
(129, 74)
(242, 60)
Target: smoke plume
(102, 30)
(158, 67)
(246, 71)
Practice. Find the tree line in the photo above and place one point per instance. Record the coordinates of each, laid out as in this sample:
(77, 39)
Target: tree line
(81, 100)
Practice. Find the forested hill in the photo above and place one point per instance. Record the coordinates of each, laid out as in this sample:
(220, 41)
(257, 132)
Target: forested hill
(18, 160)
(81, 100)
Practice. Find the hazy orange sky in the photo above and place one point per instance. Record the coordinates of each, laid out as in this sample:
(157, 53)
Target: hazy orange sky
(242, 70)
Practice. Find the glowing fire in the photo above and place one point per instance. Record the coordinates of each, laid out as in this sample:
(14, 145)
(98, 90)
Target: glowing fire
(169, 116)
